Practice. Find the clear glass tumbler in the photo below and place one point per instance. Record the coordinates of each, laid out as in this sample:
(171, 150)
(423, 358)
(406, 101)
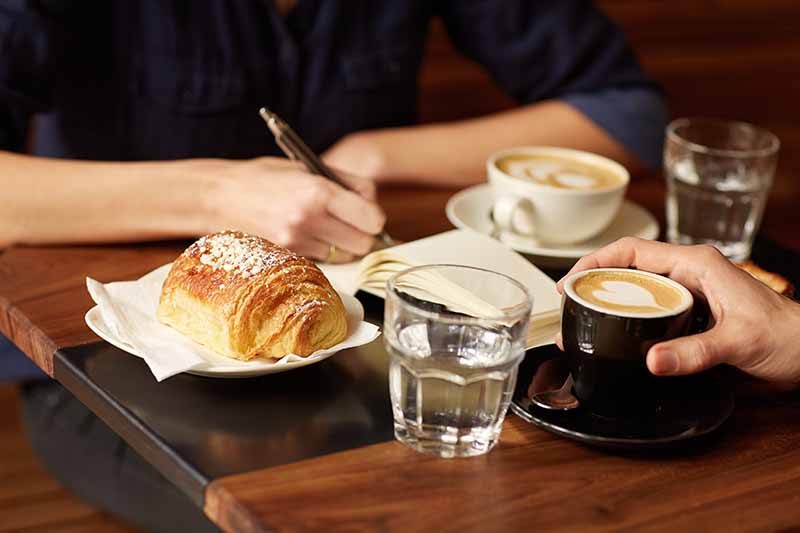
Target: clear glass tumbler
(456, 336)
(718, 174)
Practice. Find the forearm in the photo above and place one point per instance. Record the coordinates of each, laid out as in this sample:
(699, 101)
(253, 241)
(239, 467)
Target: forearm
(52, 201)
(455, 153)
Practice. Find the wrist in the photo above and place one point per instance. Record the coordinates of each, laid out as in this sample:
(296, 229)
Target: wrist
(374, 149)
(199, 184)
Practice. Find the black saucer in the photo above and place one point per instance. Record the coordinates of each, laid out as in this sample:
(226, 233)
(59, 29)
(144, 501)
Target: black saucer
(700, 405)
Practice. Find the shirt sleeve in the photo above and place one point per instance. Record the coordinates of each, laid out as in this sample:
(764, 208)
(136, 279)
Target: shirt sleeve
(26, 70)
(568, 50)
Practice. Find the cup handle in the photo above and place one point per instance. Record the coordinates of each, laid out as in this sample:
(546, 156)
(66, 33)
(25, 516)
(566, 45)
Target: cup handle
(514, 215)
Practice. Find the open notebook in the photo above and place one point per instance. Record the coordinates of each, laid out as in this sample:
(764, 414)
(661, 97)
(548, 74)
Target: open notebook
(457, 247)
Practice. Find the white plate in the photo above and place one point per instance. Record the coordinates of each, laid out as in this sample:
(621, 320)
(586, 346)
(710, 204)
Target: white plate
(219, 366)
(469, 209)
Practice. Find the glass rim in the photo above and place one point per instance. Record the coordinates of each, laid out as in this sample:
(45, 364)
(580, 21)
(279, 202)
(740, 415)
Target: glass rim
(391, 288)
(673, 135)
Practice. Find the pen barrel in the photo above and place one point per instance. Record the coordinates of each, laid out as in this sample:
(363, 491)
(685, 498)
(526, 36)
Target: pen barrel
(308, 157)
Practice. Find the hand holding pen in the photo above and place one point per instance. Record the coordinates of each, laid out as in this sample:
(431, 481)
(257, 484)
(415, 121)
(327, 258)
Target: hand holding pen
(295, 149)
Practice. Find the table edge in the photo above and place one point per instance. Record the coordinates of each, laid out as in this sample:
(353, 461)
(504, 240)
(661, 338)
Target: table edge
(127, 425)
(19, 329)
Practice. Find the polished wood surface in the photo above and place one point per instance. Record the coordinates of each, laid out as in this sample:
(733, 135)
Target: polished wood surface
(531, 478)
(43, 293)
(744, 479)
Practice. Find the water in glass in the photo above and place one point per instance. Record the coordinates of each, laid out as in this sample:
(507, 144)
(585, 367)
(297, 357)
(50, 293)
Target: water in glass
(719, 174)
(455, 335)
(452, 400)
(724, 211)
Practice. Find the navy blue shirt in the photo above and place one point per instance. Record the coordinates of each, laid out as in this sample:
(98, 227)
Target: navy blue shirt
(167, 79)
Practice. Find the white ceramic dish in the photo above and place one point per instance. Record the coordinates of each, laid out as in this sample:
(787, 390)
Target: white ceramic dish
(219, 366)
(469, 209)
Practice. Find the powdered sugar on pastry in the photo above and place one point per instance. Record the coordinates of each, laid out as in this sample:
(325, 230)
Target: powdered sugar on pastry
(239, 253)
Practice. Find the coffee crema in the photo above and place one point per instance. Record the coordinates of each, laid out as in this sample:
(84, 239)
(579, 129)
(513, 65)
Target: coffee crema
(559, 172)
(628, 292)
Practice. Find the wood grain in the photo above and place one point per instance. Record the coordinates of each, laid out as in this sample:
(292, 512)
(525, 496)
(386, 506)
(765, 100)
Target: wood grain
(43, 295)
(534, 481)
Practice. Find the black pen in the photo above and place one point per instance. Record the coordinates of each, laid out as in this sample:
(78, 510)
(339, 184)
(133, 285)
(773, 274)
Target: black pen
(293, 146)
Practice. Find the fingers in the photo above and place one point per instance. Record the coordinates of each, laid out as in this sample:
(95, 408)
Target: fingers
(353, 209)
(320, 251)
(272, 163)
(685, 355)
(304, 212)
(344, 236)
(685, 264)
(623, 253)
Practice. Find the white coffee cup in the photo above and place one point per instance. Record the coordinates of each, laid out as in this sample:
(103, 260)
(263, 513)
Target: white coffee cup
(523, 207)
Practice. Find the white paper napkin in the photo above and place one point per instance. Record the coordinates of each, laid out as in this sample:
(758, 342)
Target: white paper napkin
(128, 309)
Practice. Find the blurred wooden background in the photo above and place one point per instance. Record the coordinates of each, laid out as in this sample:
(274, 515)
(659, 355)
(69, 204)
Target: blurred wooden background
(735, 59)
(725, 58)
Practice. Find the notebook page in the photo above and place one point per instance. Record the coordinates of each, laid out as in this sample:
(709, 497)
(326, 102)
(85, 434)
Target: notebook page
(468, 248)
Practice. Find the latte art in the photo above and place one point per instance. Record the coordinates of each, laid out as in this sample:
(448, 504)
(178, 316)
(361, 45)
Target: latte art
(625, 294)
(628, 292)
(562, 173)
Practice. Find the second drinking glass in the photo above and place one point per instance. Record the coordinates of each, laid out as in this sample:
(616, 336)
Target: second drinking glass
(453, 360)
(719, 174)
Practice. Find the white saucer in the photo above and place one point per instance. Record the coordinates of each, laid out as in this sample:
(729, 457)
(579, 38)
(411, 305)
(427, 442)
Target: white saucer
(469, 209)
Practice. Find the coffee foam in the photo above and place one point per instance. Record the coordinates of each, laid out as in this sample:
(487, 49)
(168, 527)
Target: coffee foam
(575, 181)
(629, 293)
(558, 172)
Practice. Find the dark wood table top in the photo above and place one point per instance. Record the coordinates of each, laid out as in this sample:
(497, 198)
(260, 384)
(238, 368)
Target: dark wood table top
(313, 448)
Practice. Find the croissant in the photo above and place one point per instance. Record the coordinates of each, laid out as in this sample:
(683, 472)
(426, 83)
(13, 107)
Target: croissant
(245, 297)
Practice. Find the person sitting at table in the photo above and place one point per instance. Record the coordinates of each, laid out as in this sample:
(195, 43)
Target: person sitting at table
(754, 328)
(131, 121)
(146, 123)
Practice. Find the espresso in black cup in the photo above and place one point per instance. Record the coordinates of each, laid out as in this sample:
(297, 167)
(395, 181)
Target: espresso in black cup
(610, 319)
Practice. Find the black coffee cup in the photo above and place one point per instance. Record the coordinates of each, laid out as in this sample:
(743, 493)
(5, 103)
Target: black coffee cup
(606, 344)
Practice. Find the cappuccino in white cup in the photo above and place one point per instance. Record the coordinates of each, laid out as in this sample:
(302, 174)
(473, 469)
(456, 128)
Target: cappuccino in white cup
(555, 195)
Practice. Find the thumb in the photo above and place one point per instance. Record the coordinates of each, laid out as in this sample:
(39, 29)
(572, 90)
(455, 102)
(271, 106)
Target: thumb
(685, 355)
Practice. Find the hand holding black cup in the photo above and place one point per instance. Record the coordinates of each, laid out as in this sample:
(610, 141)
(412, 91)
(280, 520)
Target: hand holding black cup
(751, 327)
(611, 318)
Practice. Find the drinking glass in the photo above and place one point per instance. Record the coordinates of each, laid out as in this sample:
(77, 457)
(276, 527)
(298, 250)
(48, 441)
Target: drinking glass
(718, 174)
(456, 336)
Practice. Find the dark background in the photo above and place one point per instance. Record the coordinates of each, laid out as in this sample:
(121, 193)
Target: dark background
(735, 59)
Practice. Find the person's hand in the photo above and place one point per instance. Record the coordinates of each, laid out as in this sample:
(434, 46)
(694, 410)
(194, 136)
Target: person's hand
(754, 328)
(277, 199)
(361, 153)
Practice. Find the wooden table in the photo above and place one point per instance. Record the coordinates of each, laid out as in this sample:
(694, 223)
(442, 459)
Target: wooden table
(313, 448)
